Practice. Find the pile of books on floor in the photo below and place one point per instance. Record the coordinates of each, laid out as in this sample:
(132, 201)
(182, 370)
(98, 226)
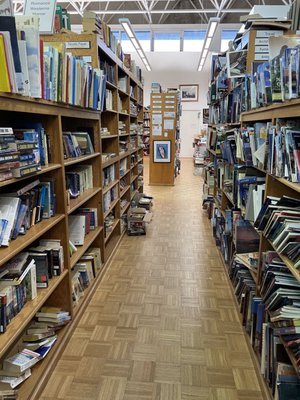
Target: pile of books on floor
(38, 340)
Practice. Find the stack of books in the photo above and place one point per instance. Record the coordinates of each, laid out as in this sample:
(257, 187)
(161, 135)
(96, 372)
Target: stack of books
(23, 151)
(25, 207)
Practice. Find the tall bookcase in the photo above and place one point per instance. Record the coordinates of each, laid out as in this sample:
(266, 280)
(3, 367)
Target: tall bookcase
(122, 150)
(164, 129)
(221, 187)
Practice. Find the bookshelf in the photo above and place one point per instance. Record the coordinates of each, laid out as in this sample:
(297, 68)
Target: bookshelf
(222, 195)
(146, 133)
(121, 150)
(164, 133)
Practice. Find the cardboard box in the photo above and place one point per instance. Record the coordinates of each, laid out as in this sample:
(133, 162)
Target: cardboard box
(137, 219)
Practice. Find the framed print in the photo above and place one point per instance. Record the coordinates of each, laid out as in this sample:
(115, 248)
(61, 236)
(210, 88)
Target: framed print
(189, 92)
(162, 151)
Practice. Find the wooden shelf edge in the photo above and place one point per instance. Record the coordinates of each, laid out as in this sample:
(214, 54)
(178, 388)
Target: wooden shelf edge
(111, 207)
(109, 162)
(108, 136)
(110, 186)
(90, 237)
(44, 170)
(124, 209)
(84, 197)
(23, 241)
(125, 190)
(75, 160)
(116, 221)
(262, 383)
(21, 320)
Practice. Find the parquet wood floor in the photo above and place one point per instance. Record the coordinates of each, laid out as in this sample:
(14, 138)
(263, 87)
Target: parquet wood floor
(162, 325)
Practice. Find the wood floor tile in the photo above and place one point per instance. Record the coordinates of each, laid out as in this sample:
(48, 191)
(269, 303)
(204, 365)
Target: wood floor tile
(162, 324)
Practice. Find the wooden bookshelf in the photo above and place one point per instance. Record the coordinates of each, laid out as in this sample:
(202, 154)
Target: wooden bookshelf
(275, 186)
(57, 118)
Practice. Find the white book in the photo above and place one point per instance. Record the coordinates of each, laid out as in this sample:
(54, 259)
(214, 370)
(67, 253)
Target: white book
(21, 361)
(14, 381)
(9, 207)
(77, 229)
(24, 66)
(30, 26)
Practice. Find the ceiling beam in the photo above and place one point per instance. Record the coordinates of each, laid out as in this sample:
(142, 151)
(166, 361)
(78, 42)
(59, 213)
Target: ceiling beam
(173, 11)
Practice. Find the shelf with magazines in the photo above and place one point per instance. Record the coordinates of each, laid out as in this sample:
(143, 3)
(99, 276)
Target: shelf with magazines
(255, 158)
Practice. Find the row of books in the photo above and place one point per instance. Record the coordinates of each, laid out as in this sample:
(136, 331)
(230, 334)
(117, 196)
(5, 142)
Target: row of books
(77, 144)
(79, 179)
(109, 223)
(35, 344)
(109, 197)
(45, 70)
(69, 79)
(25, 273)
(23, 150)
(279, 221)
(84, 272)
(273, 148)
(81, 223)
(271, 321)
(22, 209)
(92, 23)
(109, 175)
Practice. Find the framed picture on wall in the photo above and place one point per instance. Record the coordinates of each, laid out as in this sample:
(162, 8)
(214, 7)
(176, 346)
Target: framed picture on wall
(189, 92)
(162, 151)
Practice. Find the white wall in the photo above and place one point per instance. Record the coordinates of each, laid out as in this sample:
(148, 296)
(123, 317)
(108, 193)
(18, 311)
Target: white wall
(190, 123)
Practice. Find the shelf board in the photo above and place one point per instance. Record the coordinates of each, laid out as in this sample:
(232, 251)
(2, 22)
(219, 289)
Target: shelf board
(85, 196)
(125, 190)
(228, 197)
(293, 185)
(109, 186)
(108, 136)
(124, 155)
(122, 93)
(124, 209)
(288, 262)
(134, 116)
(75, 160)
(125, 173)
(116, 221)
(133, 178)
(133, 194)
(110, 111)
(109, 162)
(88, 240)
(111, 207)
(133, 99)
(124, 134)
(111, 85)
(44, 170)
(22, 241)
(291, 357)
(124, 114)
(21, 320)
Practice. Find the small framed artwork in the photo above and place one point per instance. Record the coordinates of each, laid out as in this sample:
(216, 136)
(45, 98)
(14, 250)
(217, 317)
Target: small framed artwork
(162, 151)
(189, 92)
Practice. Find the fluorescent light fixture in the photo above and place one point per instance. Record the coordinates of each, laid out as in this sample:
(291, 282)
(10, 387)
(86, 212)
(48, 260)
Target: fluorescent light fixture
(207, 42)
(135, 42)
(211, 29)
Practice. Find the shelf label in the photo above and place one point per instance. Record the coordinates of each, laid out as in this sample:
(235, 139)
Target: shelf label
(78, 45)
(45, 10)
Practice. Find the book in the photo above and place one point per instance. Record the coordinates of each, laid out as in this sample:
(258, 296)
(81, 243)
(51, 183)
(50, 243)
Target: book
(21, 361)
